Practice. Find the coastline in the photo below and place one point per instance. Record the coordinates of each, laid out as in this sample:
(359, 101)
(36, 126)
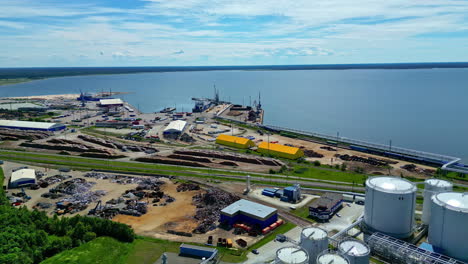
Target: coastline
(11, 81)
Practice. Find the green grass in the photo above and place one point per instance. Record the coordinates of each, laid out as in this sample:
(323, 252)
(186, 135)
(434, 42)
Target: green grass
(327, 174)
(303, 212)
(241, 255)
(106, 250)
(103, 250)
(145, 250)
(148, 250)
(2, 178)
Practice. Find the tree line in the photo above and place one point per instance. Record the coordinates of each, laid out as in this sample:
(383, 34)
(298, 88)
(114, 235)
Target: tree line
(31, 236)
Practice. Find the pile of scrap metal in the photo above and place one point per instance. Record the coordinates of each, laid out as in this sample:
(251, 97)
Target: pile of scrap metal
(80, 195)
(312, 154)
(368, 160)
(133, 202)
(184, 187)
(209, 206)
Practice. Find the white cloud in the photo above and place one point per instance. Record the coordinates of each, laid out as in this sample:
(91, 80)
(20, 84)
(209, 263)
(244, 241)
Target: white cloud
(262, 29)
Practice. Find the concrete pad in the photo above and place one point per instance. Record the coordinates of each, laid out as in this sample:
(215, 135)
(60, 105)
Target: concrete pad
(267, 253)
(257, 194)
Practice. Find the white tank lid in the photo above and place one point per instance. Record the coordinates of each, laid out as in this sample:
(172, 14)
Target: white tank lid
(391, 184)
(353, 248)
(292, 255)
(314, 233)
(332, 258)
(439, 183)
(452, 200)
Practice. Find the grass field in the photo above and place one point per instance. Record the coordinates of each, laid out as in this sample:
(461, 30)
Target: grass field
(103, 250)
(106, 250)
(144, 250)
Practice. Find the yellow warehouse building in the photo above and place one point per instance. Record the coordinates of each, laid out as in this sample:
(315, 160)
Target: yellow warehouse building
(236, 142)
(281, 151)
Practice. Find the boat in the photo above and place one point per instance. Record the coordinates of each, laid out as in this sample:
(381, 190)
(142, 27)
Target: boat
(168, 110)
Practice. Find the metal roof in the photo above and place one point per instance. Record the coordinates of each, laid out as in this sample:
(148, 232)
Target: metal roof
(23, 174)
(452, 200)
(314, 233)
(278, 148)
(176, 126)
(391, 184)
(248, 207)
(328, 200)
(292, 255)
(115, 101)
(354, 248)
(439, 183)
(233, 139)
(332, 258)
(28, 124)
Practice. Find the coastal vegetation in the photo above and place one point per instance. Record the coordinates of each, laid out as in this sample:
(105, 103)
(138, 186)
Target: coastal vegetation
(14, 81)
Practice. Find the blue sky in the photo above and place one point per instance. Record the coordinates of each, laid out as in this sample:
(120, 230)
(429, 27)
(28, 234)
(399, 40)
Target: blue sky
(36, 33)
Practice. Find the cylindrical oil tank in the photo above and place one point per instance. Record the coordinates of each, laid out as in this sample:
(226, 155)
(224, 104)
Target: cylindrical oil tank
(390, 205)
(447, 225)
(291, 255)
(431, 187)
(314, 240)
(356, 251)
(329, 256)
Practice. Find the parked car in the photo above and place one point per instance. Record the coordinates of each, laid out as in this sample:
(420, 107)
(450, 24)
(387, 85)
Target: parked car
(255, 251)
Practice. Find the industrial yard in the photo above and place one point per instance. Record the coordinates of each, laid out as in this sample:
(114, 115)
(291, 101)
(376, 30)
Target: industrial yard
(218, 178)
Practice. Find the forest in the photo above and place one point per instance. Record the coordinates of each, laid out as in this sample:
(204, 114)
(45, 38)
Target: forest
(31, 236)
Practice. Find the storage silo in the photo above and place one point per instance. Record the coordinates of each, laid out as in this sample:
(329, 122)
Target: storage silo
(291, 255)
(390, 205)
(356, 251)
(329, 256)
(314, 240)
(431, 187)
(447, 225)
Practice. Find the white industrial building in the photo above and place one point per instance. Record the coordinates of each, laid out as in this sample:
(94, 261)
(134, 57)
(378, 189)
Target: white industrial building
(111, 102)
(22, 177)
(175, 127)
(29, 125)
(390, 206)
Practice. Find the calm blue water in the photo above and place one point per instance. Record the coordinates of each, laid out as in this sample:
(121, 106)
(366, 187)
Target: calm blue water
(424, 109)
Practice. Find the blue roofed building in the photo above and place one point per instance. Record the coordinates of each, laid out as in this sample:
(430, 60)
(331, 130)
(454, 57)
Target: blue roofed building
(250, 213)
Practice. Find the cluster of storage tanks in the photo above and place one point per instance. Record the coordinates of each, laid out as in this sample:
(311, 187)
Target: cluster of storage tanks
(313, 249)
(390, 208)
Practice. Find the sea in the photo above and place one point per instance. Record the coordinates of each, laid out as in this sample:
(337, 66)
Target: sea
(420, 108)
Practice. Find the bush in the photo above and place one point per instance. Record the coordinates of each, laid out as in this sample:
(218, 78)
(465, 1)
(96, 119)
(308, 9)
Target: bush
(272, 171)
(343, 166)
(317, 163)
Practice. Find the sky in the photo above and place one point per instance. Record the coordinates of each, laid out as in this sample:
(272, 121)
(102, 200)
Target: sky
(52, 33)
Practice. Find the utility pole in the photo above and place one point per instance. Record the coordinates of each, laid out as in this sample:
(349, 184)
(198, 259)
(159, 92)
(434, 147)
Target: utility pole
(390, 145)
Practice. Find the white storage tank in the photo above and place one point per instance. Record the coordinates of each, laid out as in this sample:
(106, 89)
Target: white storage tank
(390, 205)
(330, 257)
(356, 251)
(314, 240)
(291, 255)
(448, 224)
(431, 187)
